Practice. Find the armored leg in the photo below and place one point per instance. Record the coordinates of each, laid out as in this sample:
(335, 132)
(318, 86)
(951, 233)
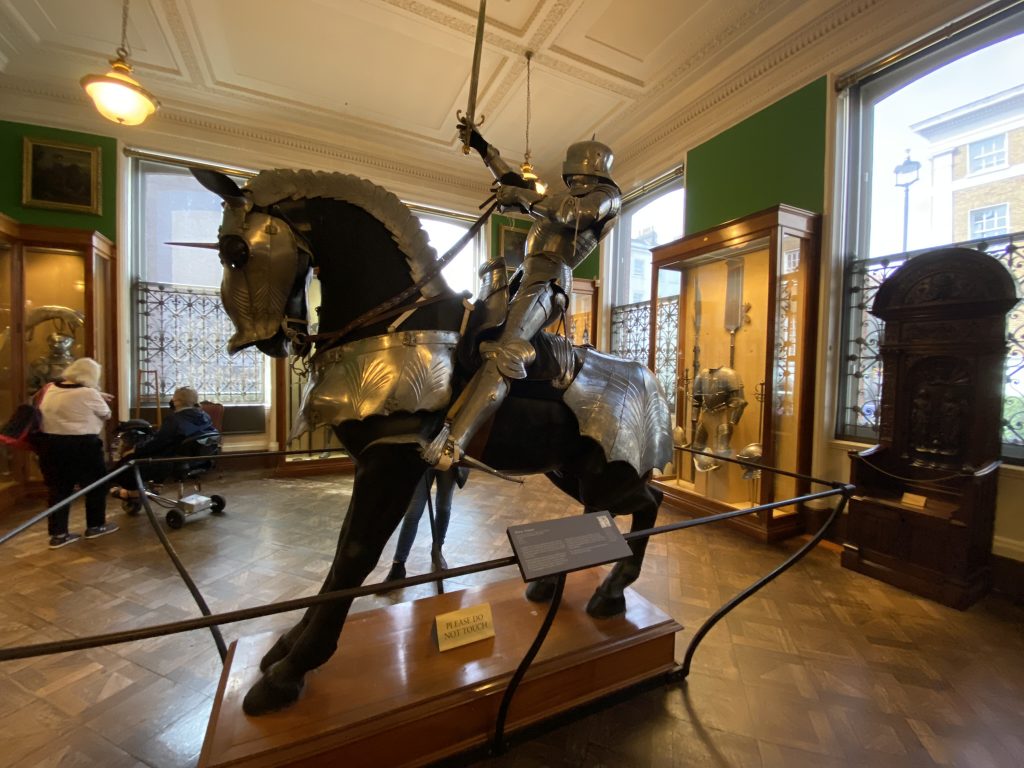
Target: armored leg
(504, 359)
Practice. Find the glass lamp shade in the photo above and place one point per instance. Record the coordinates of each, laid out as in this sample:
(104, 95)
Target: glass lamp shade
(528, 174)
(118, 96)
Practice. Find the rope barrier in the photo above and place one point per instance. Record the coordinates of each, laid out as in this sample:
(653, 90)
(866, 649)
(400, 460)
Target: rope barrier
(213, 621)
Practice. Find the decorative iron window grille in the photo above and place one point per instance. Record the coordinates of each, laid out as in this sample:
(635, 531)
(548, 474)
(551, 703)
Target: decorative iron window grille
(183, 336)
(631, 339)
(861, 388)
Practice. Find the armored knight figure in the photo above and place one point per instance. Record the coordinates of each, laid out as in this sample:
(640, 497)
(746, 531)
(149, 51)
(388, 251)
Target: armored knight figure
(51, 366)
(718, 398)
(569, 225)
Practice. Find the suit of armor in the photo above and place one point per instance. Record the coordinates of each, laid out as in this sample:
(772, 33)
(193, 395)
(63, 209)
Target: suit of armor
(718, 398)
(568, 226)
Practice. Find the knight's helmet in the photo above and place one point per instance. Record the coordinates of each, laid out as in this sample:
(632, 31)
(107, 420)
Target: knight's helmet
(589, 158)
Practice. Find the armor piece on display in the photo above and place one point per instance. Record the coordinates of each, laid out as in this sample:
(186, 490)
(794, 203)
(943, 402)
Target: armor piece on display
(589, 158)
(384, 392)
(66, 322)
(718, 400)
(621, 406)
(273, 259)
(51, 366)
(407, 371)
(568, 226)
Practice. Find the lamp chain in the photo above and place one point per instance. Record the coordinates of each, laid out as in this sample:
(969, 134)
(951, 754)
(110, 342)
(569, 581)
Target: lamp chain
(123, 51)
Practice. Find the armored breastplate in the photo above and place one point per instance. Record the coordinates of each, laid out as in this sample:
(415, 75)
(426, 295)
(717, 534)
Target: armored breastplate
(715, 388)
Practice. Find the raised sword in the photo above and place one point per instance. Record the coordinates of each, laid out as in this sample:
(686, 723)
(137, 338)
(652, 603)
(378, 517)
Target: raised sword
(474, 80)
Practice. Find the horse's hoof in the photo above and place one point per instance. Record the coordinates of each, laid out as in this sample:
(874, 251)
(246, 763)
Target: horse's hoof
(277, 652)
(540, 591)
(604, 607)
(269, 695)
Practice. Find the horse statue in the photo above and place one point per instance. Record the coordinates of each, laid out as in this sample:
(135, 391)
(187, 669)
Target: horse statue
(384, 374)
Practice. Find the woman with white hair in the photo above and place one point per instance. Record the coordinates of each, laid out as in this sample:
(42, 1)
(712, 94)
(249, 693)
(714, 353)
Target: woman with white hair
(71, 451)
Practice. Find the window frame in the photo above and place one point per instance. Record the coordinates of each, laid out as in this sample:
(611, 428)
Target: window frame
(1004, 230)
(971, 157)
(853, 205)
(139, 282)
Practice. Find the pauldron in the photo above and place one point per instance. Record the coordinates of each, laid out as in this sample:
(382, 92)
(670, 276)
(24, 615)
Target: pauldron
(407, 371)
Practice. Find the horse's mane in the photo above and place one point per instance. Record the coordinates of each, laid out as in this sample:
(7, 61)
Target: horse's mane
(271, 187)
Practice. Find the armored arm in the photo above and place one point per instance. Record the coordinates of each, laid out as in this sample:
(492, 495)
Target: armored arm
(501, 170)
(578, 212)
(737, 404)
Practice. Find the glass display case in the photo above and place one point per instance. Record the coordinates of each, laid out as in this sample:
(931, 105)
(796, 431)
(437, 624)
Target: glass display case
(56, 286)
(732, 343)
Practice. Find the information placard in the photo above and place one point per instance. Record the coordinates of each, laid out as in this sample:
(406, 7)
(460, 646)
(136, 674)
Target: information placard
(567, 544)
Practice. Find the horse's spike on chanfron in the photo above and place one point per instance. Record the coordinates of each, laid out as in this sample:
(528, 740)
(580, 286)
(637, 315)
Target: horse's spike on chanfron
(210, 246)
(222, 185)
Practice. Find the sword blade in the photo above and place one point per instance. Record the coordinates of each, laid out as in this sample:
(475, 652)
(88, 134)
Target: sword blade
(474, 80)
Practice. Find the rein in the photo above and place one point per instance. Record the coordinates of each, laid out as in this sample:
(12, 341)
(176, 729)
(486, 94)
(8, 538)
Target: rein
(392, 306)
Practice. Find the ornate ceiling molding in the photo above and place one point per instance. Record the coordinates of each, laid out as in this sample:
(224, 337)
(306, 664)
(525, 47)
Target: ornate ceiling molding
(777, 72)
(182, 40)
(434, 177)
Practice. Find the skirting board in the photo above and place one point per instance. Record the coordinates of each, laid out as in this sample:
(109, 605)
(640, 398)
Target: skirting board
(388, 697)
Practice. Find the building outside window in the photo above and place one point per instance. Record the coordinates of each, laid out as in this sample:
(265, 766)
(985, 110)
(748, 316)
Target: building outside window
(990, 221)
(935, 158)
(987, 154)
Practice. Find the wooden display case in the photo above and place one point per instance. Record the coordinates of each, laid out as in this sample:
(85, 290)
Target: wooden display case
(732, 342)
(47, 274)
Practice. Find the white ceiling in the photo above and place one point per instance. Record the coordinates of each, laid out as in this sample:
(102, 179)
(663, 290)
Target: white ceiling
(373, 86)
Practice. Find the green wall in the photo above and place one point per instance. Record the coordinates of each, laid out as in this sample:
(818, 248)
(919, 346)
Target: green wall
(776, 156)
(11, 135)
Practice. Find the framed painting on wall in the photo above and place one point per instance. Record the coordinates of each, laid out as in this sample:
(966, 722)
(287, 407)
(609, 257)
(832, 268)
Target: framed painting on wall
(512, 246)
(60, 176)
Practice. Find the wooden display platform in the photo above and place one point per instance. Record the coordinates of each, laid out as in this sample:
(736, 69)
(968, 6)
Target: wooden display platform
(388, 697)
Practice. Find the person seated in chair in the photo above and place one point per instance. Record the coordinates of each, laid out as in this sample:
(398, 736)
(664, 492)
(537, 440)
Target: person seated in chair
(186, 420)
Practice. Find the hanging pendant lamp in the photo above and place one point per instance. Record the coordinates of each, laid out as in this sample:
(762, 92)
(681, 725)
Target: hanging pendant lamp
(118, 96)
(526, 169)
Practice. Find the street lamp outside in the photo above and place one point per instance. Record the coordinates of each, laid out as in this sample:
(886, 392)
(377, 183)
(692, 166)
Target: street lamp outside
(907, 173)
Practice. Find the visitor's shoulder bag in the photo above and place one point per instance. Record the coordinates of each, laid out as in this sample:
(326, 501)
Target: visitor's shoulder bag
(21, 428)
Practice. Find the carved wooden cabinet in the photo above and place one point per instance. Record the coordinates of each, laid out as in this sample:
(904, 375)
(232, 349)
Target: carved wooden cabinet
(924, 511)
(732, 342)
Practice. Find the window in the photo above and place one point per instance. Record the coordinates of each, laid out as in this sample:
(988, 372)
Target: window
(987, 154)
(652, 219)
(444, 230)
(922, 138)
(180, 327)
(990, 221)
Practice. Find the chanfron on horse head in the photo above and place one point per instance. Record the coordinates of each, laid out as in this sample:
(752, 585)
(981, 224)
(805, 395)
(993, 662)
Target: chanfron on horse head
(386, 368)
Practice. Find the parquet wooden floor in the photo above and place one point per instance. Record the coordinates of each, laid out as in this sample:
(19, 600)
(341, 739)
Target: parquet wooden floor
(824, 668)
